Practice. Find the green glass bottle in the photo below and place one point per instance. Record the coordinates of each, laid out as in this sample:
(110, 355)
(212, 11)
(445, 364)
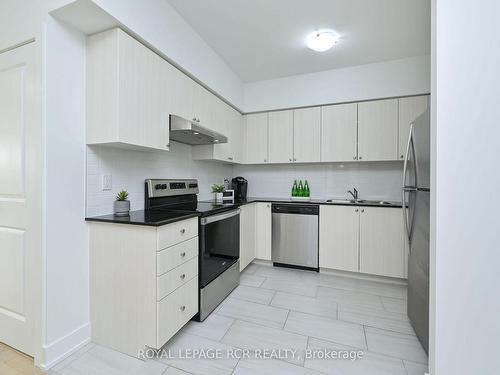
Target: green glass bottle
(307, 191)
(300, 192)
(294, 188)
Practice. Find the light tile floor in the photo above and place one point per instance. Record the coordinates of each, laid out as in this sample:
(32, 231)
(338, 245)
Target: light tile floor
(277, 308)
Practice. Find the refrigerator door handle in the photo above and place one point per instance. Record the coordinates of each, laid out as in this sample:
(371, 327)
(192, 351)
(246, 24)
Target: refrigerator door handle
(407, 154)
(406, 218)
(407, 189)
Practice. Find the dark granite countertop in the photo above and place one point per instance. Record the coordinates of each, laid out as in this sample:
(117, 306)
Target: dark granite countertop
(157, 218)
(152, 218)
(338, 202)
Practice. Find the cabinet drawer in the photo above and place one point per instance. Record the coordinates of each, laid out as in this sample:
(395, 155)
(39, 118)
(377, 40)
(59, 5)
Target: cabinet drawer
(174, 256)
(173, 279)
(175, 310)
(172, 234)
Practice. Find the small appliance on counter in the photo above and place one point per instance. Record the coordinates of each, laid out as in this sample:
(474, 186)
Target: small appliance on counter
(240, 186)
(228, 196)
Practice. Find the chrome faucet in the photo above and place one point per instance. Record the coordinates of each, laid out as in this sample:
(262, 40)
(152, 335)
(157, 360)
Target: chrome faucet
(354, 193)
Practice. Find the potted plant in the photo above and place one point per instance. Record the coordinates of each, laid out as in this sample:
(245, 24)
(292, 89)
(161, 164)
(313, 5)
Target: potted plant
(122, 205)
(217, 190)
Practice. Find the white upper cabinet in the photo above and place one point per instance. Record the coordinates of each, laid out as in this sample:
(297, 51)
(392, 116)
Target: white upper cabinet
(126, 102)
(281, 137)
(381, 242)
(229, 122)
(202, 106)
(378, 130)
(409, 109)
(339, 132)
(182, 91)
(256, 138)
(307, 135)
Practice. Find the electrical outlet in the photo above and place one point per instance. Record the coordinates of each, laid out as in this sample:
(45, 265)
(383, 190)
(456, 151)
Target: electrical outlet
(107, 182)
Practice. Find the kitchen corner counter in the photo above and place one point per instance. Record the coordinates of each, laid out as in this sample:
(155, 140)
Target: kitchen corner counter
(366, 203)
(145, 217)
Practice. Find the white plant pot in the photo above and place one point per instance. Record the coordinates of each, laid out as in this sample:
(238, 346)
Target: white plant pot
(122, 208)
(218, 197)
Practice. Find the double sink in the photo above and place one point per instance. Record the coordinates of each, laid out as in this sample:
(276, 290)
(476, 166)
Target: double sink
(359, 202)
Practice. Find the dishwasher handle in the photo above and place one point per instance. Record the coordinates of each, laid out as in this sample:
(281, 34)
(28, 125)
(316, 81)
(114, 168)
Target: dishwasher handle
(297, 209)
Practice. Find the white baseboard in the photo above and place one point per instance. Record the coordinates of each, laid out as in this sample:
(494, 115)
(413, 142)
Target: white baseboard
(63, 347)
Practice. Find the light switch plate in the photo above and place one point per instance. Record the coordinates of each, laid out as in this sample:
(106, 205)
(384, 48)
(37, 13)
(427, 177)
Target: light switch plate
(107, 182)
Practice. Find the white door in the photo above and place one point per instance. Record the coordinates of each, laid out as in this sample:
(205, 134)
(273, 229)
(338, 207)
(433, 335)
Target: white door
(339, 132)
(256, 142)
(339, 237)
(381, 241)
(306, 135)
(247, 234)
(20, 190)
(264, 231)
(281, 137)
(378, 130)
(409, 109)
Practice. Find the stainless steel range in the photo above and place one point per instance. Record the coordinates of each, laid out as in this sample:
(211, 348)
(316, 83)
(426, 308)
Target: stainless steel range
(219, 237)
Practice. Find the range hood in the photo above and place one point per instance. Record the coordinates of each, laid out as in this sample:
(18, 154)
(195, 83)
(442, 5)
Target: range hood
(192, 133)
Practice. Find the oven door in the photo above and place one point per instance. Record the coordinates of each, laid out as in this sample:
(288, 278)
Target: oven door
(219, 244)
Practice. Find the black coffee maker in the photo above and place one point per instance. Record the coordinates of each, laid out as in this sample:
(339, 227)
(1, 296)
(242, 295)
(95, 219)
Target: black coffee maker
(240, 186)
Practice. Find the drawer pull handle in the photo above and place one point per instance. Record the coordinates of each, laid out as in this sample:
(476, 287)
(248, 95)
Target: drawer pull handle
(183, 230)
(183, 276)
(182, 308)
(183, 254)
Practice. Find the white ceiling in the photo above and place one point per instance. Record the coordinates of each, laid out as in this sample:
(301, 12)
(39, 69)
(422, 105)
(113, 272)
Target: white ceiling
(264, 39)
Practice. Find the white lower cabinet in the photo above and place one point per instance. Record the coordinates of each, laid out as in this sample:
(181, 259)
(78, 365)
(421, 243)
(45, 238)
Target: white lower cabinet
(381, 242)
(143, 283)
(363, 239)
(339, 237)
(248, 221)
(263, 233)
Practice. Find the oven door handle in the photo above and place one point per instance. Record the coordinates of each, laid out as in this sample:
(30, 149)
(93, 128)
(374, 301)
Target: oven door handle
(214, 218)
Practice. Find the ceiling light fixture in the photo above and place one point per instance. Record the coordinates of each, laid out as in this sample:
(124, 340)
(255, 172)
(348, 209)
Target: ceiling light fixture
(322, 40)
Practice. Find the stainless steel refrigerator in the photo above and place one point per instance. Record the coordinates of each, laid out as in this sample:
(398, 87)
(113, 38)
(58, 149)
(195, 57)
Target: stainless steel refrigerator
(416, 194)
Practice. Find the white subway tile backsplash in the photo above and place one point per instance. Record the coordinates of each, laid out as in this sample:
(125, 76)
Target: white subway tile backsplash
(374, 180)
(129, 169)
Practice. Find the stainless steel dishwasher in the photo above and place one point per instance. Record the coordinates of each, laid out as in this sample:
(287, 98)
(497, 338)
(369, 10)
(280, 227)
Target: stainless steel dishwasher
(295, 235)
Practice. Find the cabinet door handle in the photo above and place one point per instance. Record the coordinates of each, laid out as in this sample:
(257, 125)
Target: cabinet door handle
(290, 159)
(182, 308)
(183, 231)
(360, 158)
(356, 210)
(294, 159)
(363, 210)
(183, 276)
(401, 156)
(354, 158)
(183, 254)
(265, 160)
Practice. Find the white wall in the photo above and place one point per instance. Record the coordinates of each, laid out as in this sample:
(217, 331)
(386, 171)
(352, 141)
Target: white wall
(130, 168)
(66, 315)
(380, 180)
(372, 81)
(467, 139)
(158, 24)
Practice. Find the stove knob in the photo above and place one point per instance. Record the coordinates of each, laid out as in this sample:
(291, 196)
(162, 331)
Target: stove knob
(158, 186)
